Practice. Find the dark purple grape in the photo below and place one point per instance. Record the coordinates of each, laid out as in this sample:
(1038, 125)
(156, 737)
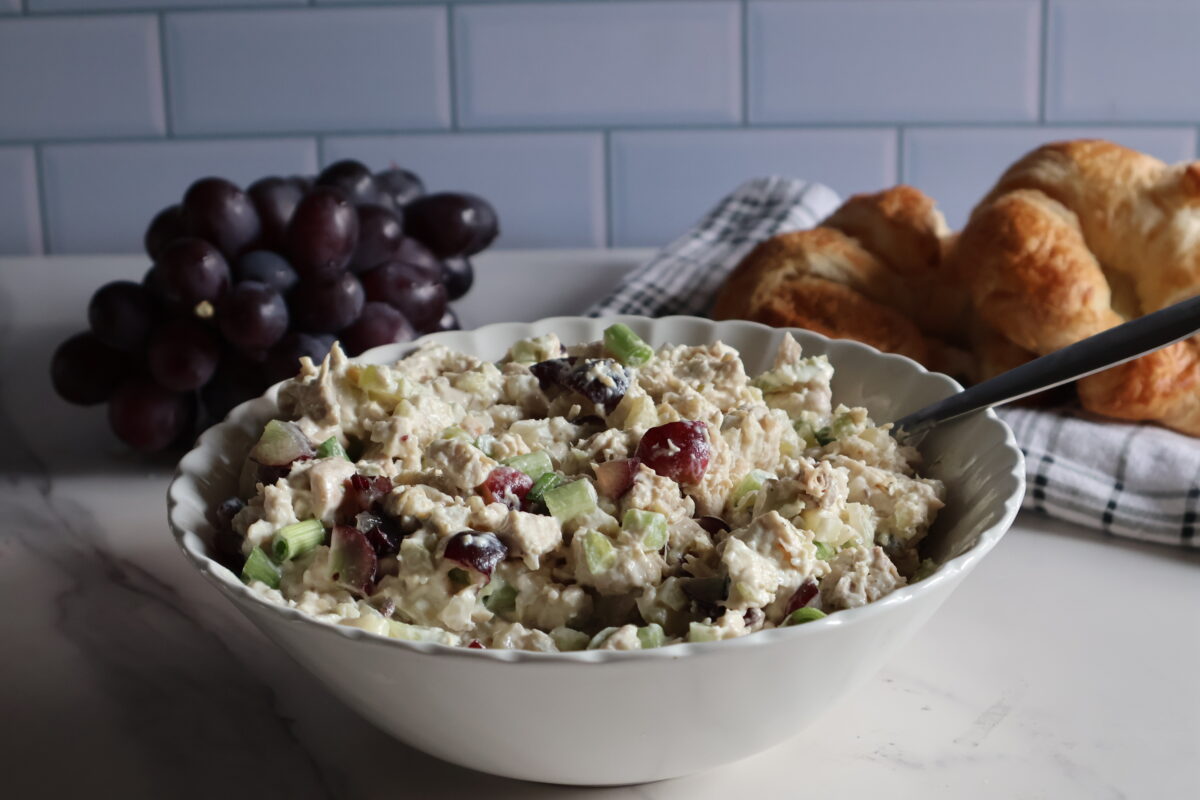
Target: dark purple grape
(381, 531)
(148, 417)
(253, 317)
(326, 307)
(420, 297)
(552, 372)
(601, 380)
(275, 199)
(153, 284)
(227, 544)
(458, 275)
(380, 232)
(183, 354)
(363, 493)
(452, 223)
(219, 212)
(378, 324)
(283, 361)
(266, 267)
(399, 185)
(353, 178)
(121, 314)
(448, 322)
(166, 226)
(192, 272)
(413, 252)
(475, 550)
(85, 371)
(236, 380)
(322, 234)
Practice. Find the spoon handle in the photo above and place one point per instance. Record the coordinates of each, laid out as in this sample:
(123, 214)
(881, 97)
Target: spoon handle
(1106, 349)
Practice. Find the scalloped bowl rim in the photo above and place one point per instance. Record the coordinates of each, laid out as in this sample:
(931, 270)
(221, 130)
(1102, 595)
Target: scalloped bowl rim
(193, 545)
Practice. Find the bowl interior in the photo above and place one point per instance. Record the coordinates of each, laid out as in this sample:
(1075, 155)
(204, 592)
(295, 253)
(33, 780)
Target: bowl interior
(976, 457)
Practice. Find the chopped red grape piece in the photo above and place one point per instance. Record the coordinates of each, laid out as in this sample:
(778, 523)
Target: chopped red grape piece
(85, 371)
(362, 494)
(352, 559)
(381, 531)
(322, 234)
(600, 380)
(475, 550)
(506, 485)
(678, 450)
(217, 211)
(801, 597)
(281, 444)
(613, 478)
(713, 525)
(475, 644)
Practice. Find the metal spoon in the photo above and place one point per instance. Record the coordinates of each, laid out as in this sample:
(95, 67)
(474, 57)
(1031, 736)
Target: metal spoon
(1114, 346)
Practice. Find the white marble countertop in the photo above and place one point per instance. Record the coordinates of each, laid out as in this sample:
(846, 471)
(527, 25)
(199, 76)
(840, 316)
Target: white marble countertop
(1067, 666)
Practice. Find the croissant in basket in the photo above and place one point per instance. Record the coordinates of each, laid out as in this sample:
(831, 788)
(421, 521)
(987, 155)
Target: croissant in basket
(1075, 238)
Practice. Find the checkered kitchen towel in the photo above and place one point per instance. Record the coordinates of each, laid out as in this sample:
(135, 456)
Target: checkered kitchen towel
(1139, 481)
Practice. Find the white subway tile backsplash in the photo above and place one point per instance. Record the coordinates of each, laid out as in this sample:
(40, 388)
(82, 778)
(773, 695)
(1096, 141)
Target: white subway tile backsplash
(10, 6)
(39, 6)
(893, 60)
(101, 197)
(1132, 60)
(663, 181)
(548, 188)
(958, 166)
(553, 64)
(75, 77)
(20, 220)
(353, 69)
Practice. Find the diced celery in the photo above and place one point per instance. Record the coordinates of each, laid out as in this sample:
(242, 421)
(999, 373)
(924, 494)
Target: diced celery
(455, 432)
(485, 443)
(568, 639)
(571, 500)
(629, 348)
(651, 636)
(824, 436)
(752, 482)
(600, 638)
(381, 382)
(259, 567)
(473, 382)
(649, 526)
(861, 517)
(297, 538)
(459, 578)
(598, 550)
(418, 633)
(502, 599)
(535, 464)
(826, 527)
(824, 551)
(700, 632)
(332, 448)
(537, 493)
(803, 615)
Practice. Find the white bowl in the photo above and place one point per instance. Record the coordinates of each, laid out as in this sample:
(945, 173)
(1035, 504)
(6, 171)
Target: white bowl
(610, 717)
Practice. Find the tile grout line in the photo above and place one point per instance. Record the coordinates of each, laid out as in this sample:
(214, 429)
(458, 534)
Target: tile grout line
(164, 76)
(39, 172)
(901, 133)
(745, 37)
(609, 199)
(451, 65)
(1043, 57)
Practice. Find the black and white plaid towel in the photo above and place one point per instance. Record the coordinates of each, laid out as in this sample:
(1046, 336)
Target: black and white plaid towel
(1139, 481)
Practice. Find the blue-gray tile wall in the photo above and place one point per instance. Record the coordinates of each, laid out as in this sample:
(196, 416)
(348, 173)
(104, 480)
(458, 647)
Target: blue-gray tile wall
(586, 122)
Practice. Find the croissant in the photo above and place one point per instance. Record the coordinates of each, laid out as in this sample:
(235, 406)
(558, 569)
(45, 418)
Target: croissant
(875, 271)
(1077, 237)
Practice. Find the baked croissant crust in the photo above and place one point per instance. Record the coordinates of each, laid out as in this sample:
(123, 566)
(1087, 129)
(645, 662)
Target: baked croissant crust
(1077, 237)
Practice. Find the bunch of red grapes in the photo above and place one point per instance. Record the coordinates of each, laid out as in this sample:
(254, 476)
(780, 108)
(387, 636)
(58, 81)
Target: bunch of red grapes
(245, 283)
